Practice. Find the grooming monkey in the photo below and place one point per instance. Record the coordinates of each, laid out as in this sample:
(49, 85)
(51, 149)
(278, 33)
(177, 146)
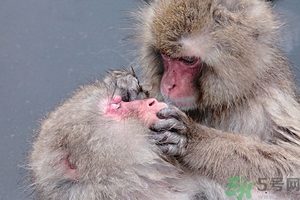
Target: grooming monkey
(96, 145)
(219, 62)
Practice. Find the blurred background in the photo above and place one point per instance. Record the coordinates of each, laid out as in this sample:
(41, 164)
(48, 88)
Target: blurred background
(48, 48)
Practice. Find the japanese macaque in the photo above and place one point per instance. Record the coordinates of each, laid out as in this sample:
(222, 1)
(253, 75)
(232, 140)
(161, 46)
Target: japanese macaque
(97, 145)
(219, 62)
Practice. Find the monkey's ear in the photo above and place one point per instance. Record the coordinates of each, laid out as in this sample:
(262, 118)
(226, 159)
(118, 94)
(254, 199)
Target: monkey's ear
(67, 168)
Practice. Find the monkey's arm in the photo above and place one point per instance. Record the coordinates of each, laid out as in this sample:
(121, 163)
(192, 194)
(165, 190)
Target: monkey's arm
(218, 154)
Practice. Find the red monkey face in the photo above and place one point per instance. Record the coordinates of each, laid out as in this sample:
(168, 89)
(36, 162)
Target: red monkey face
(178, 80)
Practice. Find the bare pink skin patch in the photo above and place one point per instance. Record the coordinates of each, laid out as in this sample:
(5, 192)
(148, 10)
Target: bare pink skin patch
(177, 84)
(145, 109)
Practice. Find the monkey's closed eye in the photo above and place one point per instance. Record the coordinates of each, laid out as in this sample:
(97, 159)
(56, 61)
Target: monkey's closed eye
(189, 60)
(115, 102)
(116, 105)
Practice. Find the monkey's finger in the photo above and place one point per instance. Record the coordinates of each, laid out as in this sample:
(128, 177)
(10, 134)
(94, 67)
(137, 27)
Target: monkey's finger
(133, 95)
(174, 138)
(128, 82)
(173, 149)
(170, 149)
(136, 94)
(167, 138)
(128, 95)
(166, 125)
(169, 112)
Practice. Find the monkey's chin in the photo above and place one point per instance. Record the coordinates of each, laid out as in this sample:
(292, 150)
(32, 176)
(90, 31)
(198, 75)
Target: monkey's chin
(184, 103)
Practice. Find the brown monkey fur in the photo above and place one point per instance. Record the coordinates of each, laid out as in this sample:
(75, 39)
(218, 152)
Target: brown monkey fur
(245, 120)
(83, 153)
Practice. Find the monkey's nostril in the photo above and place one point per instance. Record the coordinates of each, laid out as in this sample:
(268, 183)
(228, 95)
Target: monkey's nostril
(171, 87)
(151, 103)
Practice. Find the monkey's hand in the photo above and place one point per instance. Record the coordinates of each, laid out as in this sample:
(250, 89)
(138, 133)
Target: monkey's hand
(169, 132)
(126, 84)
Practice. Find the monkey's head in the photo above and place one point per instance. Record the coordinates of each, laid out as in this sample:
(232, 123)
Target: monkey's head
(208, 53)
(92, 136)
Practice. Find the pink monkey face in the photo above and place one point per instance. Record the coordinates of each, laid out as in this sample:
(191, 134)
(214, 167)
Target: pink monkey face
(145, 109)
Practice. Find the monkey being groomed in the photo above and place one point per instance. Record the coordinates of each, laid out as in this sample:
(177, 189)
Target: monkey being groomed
(219, 61)
(97, 145)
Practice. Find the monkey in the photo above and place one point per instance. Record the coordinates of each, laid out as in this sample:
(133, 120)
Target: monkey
(97, 145)
(220, 63)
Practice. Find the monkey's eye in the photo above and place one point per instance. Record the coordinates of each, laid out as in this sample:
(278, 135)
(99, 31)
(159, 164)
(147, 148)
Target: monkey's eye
(189, 60)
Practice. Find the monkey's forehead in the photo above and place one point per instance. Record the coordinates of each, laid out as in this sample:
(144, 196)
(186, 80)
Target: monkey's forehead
(172, 22)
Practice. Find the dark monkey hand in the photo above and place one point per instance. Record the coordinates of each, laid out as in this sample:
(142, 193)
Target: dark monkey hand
(126, 84)
(170, 131)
